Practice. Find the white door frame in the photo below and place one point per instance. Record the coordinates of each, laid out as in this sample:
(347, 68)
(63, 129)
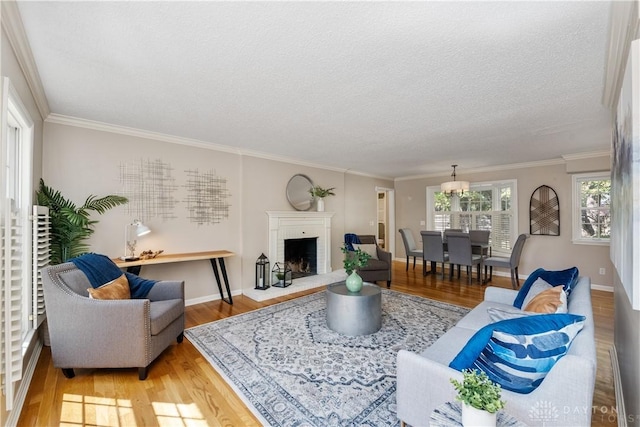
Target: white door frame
(391, 227)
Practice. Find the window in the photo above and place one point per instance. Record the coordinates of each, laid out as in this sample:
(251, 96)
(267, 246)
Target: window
(15, 226)
(591, 208)
(486, 206)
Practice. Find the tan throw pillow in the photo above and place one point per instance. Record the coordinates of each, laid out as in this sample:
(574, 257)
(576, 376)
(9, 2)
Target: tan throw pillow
(115, 289)
(549, 301)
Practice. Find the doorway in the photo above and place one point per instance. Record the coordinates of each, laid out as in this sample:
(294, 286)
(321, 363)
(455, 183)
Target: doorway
(385, 218)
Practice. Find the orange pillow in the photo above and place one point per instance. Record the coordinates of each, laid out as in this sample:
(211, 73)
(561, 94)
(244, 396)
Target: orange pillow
(115, 289)
(548, 301)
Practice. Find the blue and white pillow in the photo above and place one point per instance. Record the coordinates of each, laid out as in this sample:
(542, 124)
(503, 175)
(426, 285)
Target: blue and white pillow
(518, 353)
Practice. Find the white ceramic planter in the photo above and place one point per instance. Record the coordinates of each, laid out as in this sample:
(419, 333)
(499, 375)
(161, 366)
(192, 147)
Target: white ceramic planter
(472, 417)
(320, 205)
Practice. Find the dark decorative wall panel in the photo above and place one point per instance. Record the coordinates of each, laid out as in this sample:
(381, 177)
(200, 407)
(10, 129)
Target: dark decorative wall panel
(544, 212)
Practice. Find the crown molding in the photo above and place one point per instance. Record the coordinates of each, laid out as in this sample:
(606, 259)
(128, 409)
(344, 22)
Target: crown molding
(12, 25)
(537, 164)
(139, 133)
(156, 136)
(590, 155)
(623, 28)
(368, 175)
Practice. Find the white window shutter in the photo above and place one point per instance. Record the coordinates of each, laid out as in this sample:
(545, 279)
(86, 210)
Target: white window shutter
(41, 255)
(12, 315)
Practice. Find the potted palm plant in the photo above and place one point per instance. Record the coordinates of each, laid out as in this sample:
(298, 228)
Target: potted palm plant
(352, 260)
(320, 193)
(480, 398)
(71, 225)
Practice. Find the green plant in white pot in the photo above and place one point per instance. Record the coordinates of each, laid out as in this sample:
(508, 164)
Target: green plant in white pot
(353, 260)
(480, 398)
(320, 193)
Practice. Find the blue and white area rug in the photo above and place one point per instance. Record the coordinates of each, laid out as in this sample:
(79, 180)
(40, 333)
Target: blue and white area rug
(291, 370)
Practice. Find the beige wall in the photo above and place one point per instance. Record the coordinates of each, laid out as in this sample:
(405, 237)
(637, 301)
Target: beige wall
(81, 161)
(549, 252)
(362, 203)
(263, 189)
(10, 68)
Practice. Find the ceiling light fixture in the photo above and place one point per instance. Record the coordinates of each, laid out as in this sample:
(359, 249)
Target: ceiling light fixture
(454, 187)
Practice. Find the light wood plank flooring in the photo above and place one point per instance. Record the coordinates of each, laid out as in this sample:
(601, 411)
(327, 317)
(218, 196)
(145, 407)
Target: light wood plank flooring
(184, 390)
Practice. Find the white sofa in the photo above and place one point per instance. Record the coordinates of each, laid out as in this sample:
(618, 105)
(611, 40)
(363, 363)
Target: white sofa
(563, 399)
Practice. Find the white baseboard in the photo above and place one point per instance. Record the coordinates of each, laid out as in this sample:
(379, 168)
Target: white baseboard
(605, 288)
(211, 297)
(617, 382)
(594, 286)
(21, 395)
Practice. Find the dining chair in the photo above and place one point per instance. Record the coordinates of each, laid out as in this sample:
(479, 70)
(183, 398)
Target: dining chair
(446, 232)
(511, 262)
(410, 247)
(433, 251)
(460, 253)
(480, 242)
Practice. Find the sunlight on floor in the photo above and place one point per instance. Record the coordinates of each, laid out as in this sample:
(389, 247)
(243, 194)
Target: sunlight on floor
(79, 410)
(180, 414)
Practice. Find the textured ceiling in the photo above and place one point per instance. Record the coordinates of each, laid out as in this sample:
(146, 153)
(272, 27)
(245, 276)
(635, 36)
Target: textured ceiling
(386, 88)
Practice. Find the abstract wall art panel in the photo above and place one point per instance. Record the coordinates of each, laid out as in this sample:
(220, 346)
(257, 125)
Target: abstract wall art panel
(625, 180)
(544, 212)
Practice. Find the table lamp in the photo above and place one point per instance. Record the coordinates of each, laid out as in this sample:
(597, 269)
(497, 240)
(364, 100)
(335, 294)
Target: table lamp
(131, 233)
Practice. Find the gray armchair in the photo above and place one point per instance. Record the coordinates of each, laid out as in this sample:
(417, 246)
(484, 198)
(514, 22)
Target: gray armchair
(376, 269)
(91, 333)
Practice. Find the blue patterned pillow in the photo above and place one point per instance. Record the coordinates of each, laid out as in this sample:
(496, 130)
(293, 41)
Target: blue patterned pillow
(567, 278)
(518, 353)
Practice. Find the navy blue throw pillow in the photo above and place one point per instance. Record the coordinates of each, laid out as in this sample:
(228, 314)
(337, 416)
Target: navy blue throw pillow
(567, 278)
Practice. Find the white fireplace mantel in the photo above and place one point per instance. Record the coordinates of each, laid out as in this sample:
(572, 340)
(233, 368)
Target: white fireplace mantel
(298, 225)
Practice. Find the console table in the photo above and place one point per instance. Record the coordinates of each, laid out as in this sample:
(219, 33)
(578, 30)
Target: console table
(215, 257)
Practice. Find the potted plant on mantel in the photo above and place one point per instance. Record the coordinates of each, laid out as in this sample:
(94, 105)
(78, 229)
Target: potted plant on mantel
(480, 398)
(352, 260)
(320, 193)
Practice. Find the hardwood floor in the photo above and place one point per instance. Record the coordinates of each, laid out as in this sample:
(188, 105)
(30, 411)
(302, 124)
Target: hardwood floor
(184, 390)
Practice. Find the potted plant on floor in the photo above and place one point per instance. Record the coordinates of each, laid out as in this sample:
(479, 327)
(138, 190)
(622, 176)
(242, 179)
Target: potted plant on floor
(70, 224)
(352, 260)
(320, 193)
(480, 398)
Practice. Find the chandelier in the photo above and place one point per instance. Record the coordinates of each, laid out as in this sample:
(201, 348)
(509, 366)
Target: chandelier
(454, 187)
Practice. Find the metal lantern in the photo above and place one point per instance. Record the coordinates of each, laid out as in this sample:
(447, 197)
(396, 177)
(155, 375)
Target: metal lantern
(281, 275)
(262, 272)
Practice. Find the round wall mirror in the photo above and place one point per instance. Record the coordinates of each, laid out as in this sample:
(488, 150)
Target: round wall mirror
(298, 193)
